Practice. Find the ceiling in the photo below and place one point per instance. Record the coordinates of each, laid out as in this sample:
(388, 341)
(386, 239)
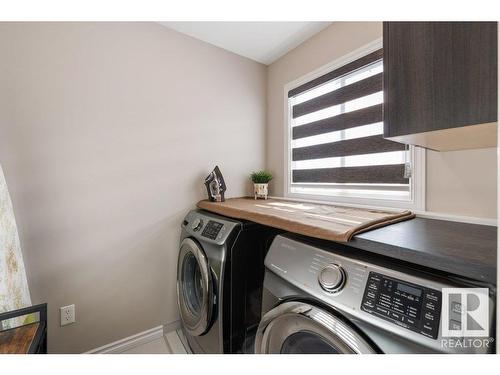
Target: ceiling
(264, 42)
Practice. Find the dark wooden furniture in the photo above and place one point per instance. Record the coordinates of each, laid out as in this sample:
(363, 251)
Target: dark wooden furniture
(440, 84)
(26, 339)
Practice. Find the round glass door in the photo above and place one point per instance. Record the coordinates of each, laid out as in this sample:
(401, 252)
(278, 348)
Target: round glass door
(194, 288)
(192, 284)
(305, 342)
(300, 328)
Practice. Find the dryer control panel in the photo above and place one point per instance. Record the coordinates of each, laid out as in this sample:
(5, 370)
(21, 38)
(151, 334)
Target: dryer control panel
(208, 228)
(212, 229)
(408, 305)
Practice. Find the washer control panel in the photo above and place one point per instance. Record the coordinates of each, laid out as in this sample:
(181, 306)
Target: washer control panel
(212, 229)
(408, 305)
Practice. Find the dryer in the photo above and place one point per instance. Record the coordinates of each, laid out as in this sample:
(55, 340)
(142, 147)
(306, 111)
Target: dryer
(220, 274)
(324, 297)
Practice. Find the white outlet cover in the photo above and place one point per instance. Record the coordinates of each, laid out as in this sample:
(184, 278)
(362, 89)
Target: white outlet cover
(67, 314)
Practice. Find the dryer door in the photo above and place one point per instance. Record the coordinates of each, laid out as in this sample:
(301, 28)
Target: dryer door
(194, 288)
(300, 328)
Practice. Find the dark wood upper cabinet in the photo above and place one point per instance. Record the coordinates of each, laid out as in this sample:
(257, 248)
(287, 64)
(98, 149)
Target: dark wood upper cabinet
(440, 84)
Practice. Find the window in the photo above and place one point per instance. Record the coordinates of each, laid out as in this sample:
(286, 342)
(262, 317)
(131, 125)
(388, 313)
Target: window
(336, 148)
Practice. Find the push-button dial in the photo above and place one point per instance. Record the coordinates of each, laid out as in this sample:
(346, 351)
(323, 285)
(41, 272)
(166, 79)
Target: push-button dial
(332, 278)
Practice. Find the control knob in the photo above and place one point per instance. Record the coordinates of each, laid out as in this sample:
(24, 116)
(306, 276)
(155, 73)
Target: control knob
(332, 278)
(197, 224)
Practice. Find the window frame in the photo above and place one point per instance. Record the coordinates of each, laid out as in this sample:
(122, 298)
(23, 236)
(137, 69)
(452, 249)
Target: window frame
(417, 154)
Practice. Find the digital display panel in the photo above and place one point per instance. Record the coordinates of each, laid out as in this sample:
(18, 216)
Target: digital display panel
(410, 306)
(409, 289)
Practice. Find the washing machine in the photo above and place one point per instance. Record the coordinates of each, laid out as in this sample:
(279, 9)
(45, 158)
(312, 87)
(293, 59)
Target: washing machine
(323, 297)
(220, 276)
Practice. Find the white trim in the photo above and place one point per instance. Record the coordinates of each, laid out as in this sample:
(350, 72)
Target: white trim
(354, 55)
(423, 214)
(133, 341)
(457, 218)
(172, 326)
(308, 199)
(419, 182)
(418, 155)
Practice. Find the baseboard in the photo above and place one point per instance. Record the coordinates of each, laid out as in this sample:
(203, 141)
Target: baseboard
(133, 341)
(172, 326)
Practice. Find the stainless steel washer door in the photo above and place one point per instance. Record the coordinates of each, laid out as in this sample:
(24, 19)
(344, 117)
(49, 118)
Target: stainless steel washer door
(194, 288)
(300, 328)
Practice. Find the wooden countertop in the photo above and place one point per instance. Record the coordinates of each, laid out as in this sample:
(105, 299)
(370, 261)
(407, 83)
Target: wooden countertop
(328, 222)
(462, 249)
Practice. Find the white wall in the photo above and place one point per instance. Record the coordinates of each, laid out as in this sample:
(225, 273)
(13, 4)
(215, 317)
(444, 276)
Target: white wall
(107, 131)
(458, 183)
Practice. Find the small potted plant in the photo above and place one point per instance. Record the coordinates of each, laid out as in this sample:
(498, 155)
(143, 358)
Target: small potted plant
(260, 181)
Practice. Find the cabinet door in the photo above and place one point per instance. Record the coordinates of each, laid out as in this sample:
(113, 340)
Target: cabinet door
(439, 75)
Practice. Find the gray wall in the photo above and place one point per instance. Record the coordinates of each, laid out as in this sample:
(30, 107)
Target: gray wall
(107, 131)
(458, 183)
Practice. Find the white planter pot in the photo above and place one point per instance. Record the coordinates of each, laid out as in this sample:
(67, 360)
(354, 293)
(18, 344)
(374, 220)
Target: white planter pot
(260, 190)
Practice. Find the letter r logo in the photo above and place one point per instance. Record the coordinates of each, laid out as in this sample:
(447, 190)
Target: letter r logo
(465, 312)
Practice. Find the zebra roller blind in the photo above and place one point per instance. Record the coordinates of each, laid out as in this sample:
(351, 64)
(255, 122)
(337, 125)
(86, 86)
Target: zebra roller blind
(337, 130)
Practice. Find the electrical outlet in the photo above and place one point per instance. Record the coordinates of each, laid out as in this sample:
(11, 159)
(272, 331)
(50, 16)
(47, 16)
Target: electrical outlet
(67, 314)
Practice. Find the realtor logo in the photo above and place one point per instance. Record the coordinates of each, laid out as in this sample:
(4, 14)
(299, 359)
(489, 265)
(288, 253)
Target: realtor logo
(465, 312)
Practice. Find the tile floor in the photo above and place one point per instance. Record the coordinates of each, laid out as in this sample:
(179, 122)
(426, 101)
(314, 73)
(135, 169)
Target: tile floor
(169, 344)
